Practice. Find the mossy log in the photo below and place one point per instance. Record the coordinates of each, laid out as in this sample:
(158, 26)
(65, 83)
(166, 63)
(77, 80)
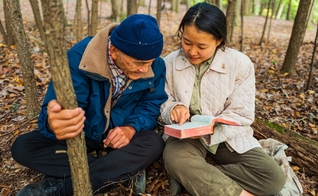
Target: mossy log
(304, 151)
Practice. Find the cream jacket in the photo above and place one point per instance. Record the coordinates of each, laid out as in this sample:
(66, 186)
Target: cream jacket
(227, 91)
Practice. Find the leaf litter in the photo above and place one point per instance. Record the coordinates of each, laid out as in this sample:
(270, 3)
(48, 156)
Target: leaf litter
(280, 98)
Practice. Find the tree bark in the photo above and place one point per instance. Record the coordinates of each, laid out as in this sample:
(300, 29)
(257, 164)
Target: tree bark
(88, 18)
(24, 55)
(242, 25)
(94, 18)
(265, 24)
(247, 7)
(310, 74)
(297, 37)
(10, 38)
(79, 33)
(3, 33)
(304, 151)
(159, 2)
(230, 13)
(116, 10)
(54, 25)
(37, 17)
(175, 5)
(132, 7)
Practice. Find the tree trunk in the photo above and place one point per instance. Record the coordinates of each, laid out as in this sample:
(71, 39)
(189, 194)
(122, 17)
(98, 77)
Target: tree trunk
(54, 25)
(219, 4)
(159, 11)
(116, 10)
(280, 10)
(210, 2)
(175, 5)
(132, 7)
(3, 33)
(230, 13)
(142, 3)
(297, 37)
(310, 76)
(37, 17)
(256, 5)
(265, 24)
(10, 38)
(242, 26)
(94, 18)
(270, 23)
(238, 11)
(79, 32)
(89, 25)
(188, 4)
(247, 7)
(304, 152)
(23, 51)
(288, 10)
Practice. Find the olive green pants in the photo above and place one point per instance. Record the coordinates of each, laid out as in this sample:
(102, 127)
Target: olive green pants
(254, 171)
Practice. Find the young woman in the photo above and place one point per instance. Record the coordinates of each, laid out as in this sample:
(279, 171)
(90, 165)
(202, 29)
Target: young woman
(204, 77)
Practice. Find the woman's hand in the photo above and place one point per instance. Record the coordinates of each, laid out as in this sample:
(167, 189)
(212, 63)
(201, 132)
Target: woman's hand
(180, 114)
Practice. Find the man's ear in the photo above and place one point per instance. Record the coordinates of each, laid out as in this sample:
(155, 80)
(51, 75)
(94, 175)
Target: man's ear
(114, 52)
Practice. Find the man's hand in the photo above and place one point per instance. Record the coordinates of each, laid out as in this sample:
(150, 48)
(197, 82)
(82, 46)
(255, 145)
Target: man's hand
(119, 137)
(179, 114)
(66, 123)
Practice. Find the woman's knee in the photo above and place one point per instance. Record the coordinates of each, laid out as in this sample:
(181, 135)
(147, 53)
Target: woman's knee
(278, 180)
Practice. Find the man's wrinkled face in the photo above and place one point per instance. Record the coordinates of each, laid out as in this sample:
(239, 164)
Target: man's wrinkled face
(132, 68)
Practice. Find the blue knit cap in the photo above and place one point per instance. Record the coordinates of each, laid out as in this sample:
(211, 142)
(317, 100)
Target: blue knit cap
(138, 36)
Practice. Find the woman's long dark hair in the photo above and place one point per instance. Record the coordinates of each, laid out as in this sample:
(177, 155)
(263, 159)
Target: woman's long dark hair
(207, 18)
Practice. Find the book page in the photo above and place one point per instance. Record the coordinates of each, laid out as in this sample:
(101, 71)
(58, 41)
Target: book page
(202, 118)
(186, 125)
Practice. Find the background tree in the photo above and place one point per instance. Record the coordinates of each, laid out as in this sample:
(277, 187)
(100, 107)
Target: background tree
(280, 9)
(265, 24)
(132, 7)
(242, 26)
(288, 10)
(94, 18)
(256, 6)
(312, 61)
(175, 5)
(117, 10)
(270, 21)
(79, 32)
(297, 36)
(23, 51)
(54, 25)
(159, 2)
(37, 17)
(238, 12)
(247, 6)
(230, 13)
(3, 32)
(9, 35)
(88, 17)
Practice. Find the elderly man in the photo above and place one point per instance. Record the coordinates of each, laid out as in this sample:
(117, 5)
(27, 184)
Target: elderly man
(119, 81)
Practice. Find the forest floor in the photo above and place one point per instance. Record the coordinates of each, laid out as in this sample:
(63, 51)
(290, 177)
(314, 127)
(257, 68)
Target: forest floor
(280, 99)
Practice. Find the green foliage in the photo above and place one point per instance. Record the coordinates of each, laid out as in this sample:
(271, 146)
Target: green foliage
(293, 8)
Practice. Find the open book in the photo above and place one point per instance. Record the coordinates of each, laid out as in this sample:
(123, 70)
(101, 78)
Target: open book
(200, 125)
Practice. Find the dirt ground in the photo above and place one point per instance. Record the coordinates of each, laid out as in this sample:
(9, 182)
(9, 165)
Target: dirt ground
(268, 57)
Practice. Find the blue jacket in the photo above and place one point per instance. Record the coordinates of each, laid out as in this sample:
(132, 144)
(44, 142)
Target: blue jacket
(138, 106)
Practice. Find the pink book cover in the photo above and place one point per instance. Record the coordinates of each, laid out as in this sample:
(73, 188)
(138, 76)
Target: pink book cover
(188, 129)
(200, 125)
